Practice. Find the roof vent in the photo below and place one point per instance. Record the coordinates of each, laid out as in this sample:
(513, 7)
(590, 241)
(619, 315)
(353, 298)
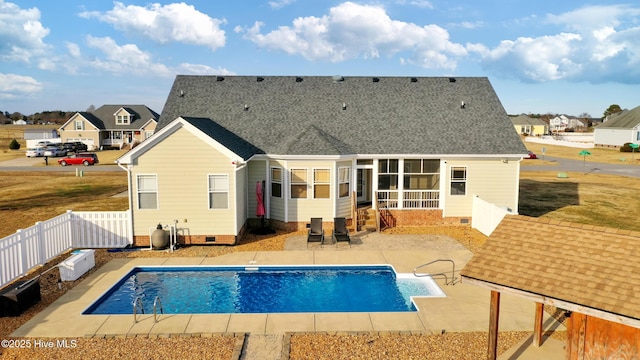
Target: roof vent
(246, 107)
(299, 79)
(344, 106)
(219, 78)
(414, 79)
(462, 105)
(259, 79)
(452, 79)
(181, 93)
(338, 78)
(375, 79)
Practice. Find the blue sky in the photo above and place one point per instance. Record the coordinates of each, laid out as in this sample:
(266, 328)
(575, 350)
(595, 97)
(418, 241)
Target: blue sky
(541, 56)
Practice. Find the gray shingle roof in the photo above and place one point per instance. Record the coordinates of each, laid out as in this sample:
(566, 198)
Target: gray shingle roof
(526, 120)
(628, 119)
(103, 118)
(286, 115)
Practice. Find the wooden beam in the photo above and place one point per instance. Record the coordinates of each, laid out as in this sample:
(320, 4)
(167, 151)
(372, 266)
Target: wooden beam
(625, 320)
(537, 326)
(494, 317)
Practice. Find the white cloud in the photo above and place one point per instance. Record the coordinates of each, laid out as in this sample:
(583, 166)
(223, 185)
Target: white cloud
(417, 3)
(351, 31)
(129, 59)
(177, 22)
(601, 44)
(280, 3)
(13, 86)
(21, 33)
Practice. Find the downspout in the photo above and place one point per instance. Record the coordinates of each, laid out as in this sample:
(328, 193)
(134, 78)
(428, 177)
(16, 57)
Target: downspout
(130, 196)
(240, 166)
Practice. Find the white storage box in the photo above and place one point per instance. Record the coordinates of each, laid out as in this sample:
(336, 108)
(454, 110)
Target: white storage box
(79, 263)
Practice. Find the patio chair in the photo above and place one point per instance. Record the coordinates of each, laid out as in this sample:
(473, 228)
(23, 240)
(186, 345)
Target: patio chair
(340, 231)
(316, 233)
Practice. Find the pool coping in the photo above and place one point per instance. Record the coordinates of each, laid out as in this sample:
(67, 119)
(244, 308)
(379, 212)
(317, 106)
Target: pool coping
(466, 307)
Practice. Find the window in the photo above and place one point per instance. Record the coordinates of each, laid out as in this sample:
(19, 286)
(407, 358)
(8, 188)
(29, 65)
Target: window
(219, 191)
(276, 182)
(298, 183)
(458, 180)
(321, 183)
(116, 135)
(79, 125)
(147, 191)
(421, 174)
(122, 119)
(344, 181)
(388, 174)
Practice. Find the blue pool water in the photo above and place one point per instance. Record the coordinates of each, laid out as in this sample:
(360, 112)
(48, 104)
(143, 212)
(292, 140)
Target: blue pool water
(265, 289)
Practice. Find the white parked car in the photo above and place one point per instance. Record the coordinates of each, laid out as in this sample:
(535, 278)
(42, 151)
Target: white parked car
(35, 152)
(54, 151)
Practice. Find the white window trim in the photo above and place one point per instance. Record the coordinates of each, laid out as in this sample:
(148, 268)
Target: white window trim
(76, 123)
(272, 181)
(313, 184)
(291, 183)
(465, 180)
(209, 191)
(341, 169)
(157, 191)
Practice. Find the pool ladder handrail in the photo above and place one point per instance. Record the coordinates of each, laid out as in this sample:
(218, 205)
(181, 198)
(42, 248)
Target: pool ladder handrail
(137, 303)
(156, 302)
(446, 278)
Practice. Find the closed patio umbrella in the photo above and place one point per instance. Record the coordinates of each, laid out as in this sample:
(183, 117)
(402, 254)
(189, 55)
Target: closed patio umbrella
(260, 202)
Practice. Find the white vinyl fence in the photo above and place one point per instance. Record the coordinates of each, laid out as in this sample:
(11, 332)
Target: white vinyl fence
(486, 216)
(36, 245)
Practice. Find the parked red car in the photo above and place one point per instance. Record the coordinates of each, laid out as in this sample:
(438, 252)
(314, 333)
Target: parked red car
(531, 155)
(85, 159)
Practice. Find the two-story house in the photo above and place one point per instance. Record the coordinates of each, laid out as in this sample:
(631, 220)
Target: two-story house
(111, 126)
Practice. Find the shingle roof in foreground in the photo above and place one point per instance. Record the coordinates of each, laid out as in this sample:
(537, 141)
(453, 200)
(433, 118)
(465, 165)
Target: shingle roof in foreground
(324, 115)
(587, 265)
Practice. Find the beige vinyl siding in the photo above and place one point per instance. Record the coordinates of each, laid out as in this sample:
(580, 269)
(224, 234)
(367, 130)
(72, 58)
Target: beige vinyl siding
(304, 209)
(257, 171)
(88, 134)
(183, 163)
(492, 180)
(343, 205)
(276, 205)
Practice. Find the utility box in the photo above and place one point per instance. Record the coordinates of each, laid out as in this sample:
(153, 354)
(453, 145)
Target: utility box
(79, 263)
(18, 298)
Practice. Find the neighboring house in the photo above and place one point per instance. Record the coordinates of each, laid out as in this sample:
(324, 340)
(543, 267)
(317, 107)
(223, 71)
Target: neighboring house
(619, 129)
(39, 134)
(565, 123)
(590, 271)
(526, 125)
(111, 126)
(420, 148)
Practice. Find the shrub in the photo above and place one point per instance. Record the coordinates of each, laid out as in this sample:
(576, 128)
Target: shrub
(14, 145)
(627, 148)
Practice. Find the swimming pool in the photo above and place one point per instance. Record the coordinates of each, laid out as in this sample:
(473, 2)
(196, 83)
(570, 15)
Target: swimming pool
(265, 289)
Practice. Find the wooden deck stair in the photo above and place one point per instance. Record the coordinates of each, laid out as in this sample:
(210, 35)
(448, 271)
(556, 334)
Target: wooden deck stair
(366, 219)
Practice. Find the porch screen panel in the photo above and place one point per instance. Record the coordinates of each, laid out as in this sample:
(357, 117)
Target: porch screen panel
(421, 183)
(298, 183)
(388, 183)
(321, 183)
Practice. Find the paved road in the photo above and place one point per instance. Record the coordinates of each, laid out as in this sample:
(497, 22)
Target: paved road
(622, 169)
(35, 164)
